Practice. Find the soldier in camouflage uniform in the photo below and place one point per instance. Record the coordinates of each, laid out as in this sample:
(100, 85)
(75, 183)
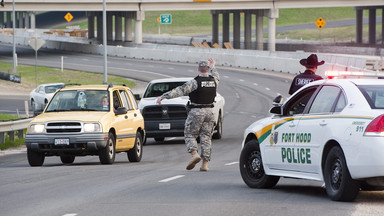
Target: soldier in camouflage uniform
(200, 120)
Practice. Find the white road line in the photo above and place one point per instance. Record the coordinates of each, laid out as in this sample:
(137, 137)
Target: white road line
(241, 80)
(255, 84)
(232, 163)
(191, 71)
(71, 214)
(226, 76)
(237, 95)
(172, 178)
(267, 89)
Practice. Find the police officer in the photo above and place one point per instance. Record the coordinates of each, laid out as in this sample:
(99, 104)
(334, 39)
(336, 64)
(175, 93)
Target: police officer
(309, 75)
(200, 120)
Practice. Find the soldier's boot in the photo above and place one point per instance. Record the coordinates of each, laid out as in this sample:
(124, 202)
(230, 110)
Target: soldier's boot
(204, 166)
(194, 160)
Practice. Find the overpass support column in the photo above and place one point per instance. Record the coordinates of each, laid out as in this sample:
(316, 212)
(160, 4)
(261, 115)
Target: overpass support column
(27, 20)
(118, 28)
(259, 30)
(372, 26)
(140, 16)
(225, 27)
(248, 30)
(33, 19)
(99, 18)
(109, 26)
(91, 25)
(272, 15)
(236, 29)
(359, 25)
(128, 27)
(215, 27)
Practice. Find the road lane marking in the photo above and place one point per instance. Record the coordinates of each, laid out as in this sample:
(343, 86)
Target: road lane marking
(171, 179)
(232, 163)
(267, 89)
(241, 80)
(255, 84)
(71, 214)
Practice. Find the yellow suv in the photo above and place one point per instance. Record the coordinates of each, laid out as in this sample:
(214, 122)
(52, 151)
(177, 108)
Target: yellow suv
(87, 120)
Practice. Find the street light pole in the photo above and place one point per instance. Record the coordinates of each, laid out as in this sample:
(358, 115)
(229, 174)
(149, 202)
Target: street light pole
(14, 42)
(105, 41)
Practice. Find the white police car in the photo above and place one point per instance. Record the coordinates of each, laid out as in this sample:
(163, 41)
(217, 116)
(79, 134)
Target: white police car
(330, 130)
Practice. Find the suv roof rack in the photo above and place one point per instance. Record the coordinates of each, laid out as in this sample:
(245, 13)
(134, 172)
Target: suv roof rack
(113, 84)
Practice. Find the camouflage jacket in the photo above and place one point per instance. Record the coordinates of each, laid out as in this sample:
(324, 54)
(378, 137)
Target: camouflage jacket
(189, 86)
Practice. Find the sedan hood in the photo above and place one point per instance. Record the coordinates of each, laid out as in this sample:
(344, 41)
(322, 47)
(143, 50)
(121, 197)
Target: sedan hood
(183, 100)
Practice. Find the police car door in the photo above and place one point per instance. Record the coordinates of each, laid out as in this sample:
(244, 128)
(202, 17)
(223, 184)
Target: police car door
(313, 128)
(283, 132)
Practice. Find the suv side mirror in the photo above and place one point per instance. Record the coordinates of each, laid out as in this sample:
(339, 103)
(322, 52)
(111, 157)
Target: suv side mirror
(137, 96)
(276, 110)
(121, 111)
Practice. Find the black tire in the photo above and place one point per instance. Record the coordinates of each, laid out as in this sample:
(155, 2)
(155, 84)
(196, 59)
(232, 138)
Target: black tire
(218, 128)
(251, 167)
(67, 159)
(135, 154)
(159, 139)
(338, 182)
(35, 158)
(107, 155)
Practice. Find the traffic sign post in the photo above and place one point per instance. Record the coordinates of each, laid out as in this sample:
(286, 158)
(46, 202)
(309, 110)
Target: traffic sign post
(36, 43)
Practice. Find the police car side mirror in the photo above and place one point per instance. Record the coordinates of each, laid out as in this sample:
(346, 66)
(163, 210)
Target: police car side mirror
(276, 110)
(278, 99)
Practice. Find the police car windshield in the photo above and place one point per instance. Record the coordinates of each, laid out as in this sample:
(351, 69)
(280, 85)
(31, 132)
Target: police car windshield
(157, 89)
(374, 94)
(79, 100)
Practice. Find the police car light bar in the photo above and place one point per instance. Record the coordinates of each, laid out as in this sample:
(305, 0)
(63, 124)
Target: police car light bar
(340, 74)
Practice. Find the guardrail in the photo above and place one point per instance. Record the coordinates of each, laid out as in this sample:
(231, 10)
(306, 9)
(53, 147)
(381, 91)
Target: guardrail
(10, 127)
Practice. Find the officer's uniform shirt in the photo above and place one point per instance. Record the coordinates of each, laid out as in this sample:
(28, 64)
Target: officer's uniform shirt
(303, 79)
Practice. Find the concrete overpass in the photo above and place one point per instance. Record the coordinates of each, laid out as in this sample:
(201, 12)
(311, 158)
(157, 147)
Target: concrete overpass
(133, 13)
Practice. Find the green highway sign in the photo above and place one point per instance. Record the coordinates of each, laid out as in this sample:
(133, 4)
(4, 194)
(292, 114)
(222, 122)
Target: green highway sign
(165, 18)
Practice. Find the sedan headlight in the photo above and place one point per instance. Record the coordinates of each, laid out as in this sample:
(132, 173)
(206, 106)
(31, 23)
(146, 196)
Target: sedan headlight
(36, 129)
(91, 127)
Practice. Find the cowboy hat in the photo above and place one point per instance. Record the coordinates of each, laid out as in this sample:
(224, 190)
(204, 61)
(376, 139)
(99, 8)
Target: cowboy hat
(311, 61)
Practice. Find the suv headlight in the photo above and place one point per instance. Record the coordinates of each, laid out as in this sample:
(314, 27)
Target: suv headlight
(91, 127)
(36, 129)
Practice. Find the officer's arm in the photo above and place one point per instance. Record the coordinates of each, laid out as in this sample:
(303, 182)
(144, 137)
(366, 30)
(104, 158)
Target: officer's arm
(182, 90)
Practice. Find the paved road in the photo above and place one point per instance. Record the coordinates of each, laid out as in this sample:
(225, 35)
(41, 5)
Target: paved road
(159, 184)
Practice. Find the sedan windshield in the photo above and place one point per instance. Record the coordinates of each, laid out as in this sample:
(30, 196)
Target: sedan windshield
(79, 100)
(374, 95)
(52, 88)
(157, 89)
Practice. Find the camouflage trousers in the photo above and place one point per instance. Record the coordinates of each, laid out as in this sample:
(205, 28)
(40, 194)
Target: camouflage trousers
(200, 122)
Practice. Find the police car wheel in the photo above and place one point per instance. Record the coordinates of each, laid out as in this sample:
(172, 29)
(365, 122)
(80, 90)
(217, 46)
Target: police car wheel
(35, 158)
(338, 182)
(67, 159)
(251, 167)
(107, 154)
(135, 154)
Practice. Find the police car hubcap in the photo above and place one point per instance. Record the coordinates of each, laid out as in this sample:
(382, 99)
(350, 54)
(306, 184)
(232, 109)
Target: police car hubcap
(336, 173)
(255, 164)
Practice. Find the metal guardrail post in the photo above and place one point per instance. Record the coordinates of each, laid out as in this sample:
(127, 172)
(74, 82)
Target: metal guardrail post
(11, 126)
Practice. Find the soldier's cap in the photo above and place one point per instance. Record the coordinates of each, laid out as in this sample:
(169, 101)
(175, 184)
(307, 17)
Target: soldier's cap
(203, 64)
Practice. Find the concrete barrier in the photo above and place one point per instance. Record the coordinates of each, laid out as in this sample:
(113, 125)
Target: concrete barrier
(287, 62)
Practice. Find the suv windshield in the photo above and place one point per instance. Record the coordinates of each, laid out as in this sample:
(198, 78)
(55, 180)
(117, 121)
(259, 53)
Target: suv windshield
(79, 100)
(374, 95)
(157, 89)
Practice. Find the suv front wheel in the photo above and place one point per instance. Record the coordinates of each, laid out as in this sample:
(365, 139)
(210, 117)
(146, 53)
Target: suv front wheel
(107, 154)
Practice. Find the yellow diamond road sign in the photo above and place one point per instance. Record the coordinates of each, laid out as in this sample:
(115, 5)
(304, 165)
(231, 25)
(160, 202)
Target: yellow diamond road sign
(68, 17)
(320, 23)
